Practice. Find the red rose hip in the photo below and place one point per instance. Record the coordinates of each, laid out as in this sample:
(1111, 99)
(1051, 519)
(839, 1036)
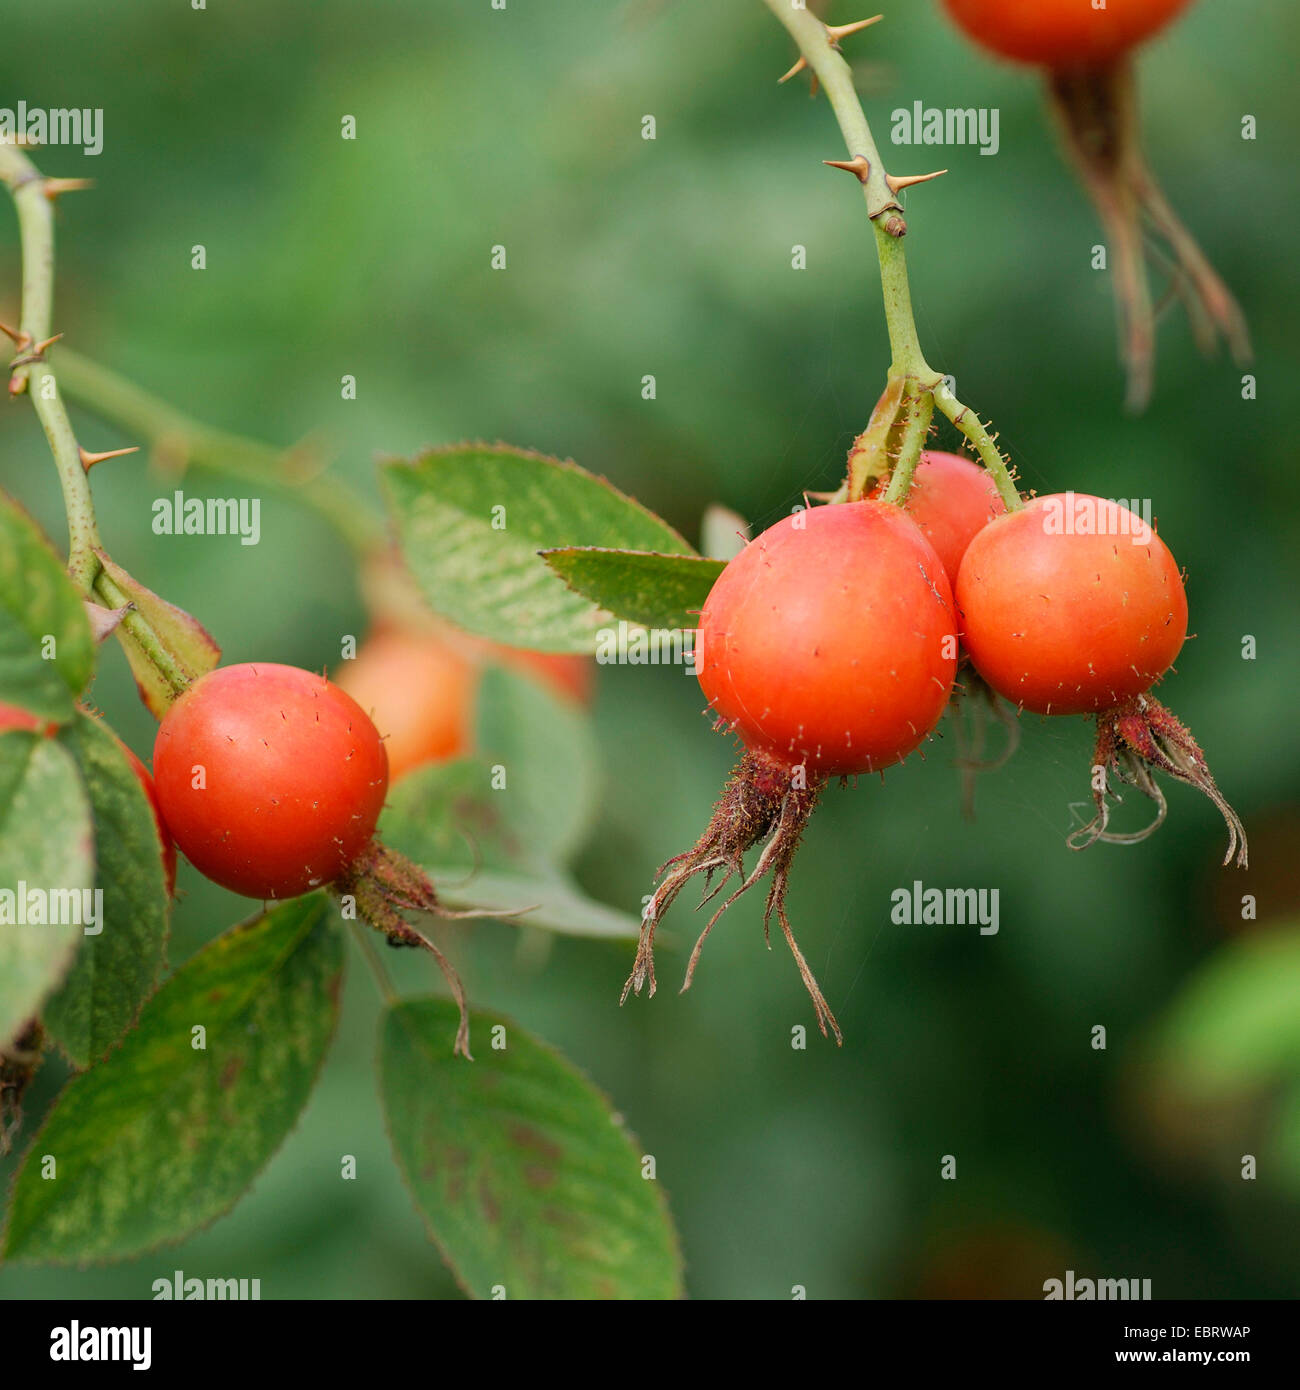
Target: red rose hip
(830, 641)
(270, 778)
(1071, 605)
(950, 499)
(1062, 33)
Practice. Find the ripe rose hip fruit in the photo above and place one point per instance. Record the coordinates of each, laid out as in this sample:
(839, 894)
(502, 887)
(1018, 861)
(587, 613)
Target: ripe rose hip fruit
(270, 778)
(1074, 605)
(1062, 33)
(829, 645)
(828, 641)
(950, 499)
(1070, 605)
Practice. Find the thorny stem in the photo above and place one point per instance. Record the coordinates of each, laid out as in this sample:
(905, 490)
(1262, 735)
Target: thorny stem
(32, 373)
(167, 430)
(833, 72)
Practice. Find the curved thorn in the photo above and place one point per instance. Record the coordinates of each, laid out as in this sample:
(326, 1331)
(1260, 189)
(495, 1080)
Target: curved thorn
(897, 182)
(54, 187)
(859, 166)
(842, 31)
(89, 460)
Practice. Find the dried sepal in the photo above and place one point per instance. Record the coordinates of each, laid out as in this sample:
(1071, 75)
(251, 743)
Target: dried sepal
(764, 802)
(1135, 740)
(388, 889)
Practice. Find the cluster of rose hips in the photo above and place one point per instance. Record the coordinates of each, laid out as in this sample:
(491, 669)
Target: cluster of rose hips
(832, 646)
(833, 643)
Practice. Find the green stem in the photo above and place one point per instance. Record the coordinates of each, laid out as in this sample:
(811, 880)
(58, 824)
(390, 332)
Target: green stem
(171, 433)
(836, 78)
(883, 208)
(920, 407)
(974, 429)
(32, 373)
(138, 626)
(896, 293)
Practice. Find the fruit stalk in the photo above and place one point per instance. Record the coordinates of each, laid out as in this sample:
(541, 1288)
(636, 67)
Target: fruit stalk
(177, 678)
(920, 410)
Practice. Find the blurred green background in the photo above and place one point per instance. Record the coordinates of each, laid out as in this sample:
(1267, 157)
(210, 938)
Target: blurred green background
(628, 257)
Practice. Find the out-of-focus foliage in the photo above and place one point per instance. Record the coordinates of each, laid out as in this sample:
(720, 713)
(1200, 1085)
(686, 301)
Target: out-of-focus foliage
(672, 258)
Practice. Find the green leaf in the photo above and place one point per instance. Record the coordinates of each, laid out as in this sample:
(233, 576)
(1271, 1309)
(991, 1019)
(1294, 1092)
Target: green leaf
(471, 520)
(115, 971)
(39, 611)
(448, 819)
(163, 1136)
(655, 591)
(548, 758)
(524, 1176)
(46, 843)
(556, 902)
(189, 642)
